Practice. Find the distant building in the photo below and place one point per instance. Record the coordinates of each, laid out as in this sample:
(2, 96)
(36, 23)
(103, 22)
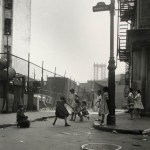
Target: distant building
(94, 86)
(15, 26)
(99, 71)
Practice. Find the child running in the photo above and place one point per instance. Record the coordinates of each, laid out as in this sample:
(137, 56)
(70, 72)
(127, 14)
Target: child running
(61, 111)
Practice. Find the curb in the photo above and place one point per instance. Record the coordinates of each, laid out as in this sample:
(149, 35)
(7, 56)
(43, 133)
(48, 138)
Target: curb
(116, 130)
(34, 120)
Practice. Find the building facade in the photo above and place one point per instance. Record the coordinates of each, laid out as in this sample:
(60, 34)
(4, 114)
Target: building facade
(15, 27)
(135, 15)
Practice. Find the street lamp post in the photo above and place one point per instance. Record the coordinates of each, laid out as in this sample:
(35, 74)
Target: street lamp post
(101, 6)
(111, 120)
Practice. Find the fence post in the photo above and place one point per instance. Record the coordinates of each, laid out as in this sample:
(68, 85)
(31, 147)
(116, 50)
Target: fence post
(42, 82)
(28, 76)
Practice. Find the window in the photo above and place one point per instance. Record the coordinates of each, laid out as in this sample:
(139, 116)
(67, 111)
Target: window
(8, 4)
(5, 51)
(7, 27)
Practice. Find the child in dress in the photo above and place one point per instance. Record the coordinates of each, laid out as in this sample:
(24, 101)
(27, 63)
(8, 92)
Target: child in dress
(130, 102)
(77, 108)
(98, 103)
(138, 106)
(22, 120)
(103, 108)
(84, 111)
(61, 111)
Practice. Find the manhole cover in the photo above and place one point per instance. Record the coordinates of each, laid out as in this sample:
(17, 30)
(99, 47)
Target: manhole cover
(100, 146)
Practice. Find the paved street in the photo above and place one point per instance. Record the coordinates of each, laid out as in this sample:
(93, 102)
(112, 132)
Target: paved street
(42, 135)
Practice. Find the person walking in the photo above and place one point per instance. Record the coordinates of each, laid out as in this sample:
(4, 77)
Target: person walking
(130, 102)
(138, 106)
(61, 111)
(103, 108)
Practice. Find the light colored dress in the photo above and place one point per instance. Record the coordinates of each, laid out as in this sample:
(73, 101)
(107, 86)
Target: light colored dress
(130, 101)
(103, 105)
(97, 103)
(138, 103)
(72, 101)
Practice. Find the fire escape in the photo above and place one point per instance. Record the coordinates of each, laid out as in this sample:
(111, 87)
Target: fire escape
(126, 15)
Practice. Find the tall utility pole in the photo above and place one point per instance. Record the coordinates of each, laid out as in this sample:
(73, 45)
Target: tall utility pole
(7, 83)
(111, 120)
(101, 6)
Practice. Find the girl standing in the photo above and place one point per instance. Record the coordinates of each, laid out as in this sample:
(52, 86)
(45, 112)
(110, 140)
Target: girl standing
(138, 106)
(103, 109)
(130, 101)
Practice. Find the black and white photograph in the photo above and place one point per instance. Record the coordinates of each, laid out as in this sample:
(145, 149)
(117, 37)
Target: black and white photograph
(74, 74)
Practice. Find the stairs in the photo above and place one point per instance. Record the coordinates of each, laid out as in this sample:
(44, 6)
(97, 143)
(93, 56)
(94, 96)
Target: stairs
(122, 37)
(126, 15)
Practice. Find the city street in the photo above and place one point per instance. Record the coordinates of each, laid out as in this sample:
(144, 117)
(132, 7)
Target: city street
(42, 135)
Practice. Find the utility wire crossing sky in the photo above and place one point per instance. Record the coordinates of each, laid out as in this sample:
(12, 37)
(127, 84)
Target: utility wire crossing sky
(68, 35)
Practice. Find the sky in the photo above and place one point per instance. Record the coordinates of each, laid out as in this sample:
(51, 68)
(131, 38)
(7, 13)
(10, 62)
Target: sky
(68, 35)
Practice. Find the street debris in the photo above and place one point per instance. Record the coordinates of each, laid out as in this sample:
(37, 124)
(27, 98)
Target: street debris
(114, 131)
(147, 131)
(144, 139)
(20, 141)
(135, 144)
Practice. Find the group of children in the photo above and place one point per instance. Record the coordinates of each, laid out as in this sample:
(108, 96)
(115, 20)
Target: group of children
(78, 108)
(134, 103)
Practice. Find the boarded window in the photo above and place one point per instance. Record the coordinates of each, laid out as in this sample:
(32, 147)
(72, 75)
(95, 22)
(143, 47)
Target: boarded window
(7, 26)
(8, 4)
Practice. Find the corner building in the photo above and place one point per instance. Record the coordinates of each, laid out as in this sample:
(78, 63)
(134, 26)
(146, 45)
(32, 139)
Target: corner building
(15, 27)
(134, 45)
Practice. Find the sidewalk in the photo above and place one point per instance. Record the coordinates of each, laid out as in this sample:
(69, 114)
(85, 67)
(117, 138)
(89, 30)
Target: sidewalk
(7, 120)
(125, 125)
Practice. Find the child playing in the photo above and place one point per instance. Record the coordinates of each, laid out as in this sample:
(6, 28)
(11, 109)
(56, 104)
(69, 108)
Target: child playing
(22, 120)
(61, 111)
(84, 111)
(77, 108)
